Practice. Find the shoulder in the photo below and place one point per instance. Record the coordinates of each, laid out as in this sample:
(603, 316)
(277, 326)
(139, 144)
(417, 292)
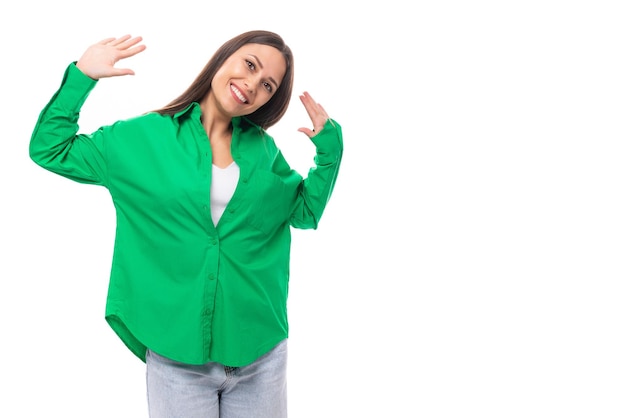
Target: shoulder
(251, 132)
(151, 121)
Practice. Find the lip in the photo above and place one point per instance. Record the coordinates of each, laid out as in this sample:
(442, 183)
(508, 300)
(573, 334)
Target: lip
(238, 94)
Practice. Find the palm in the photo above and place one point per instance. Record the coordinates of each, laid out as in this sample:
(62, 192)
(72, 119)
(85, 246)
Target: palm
(99, 60)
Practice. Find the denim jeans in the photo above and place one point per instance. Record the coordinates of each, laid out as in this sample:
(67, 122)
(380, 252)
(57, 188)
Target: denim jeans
(212, 390)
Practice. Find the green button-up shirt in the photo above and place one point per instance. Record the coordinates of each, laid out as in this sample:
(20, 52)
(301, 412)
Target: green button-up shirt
(179, 285)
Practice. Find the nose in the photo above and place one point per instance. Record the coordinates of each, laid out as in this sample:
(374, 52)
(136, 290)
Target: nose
(248, 84)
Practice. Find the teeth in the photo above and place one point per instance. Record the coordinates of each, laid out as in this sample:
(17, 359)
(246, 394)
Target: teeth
(238, 94)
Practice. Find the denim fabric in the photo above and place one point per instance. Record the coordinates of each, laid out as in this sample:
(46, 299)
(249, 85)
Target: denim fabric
(212, 390)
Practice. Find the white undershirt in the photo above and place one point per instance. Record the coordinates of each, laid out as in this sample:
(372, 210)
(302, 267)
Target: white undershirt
(223, 184)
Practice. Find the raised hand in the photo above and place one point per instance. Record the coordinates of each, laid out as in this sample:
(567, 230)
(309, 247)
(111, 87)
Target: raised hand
(99, 60)
(316, 112)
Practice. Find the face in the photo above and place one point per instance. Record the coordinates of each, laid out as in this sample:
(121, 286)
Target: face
(247, 80)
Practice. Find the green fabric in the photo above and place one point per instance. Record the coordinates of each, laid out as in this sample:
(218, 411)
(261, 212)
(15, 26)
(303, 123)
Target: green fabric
(179, 285)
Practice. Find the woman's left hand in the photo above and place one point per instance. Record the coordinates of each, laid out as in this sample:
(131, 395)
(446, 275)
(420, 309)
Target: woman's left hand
(316, 112)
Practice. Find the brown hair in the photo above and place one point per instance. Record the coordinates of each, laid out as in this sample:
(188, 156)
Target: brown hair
(265, 116)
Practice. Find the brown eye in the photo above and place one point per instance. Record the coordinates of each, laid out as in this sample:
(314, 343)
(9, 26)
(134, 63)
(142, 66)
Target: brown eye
(268, 87)
(250, 65)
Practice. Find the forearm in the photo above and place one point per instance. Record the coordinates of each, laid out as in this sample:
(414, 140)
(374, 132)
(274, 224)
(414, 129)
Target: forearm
(318, 186)
(55, 144)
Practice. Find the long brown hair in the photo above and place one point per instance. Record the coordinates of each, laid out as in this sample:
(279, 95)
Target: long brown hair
(265, 116)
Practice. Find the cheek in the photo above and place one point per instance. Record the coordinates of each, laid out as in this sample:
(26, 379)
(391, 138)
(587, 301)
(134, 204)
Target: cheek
(217, 79)
(228, 71)
(262, 99)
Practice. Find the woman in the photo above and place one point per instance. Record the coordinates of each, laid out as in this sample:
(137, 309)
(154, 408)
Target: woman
(204, 204)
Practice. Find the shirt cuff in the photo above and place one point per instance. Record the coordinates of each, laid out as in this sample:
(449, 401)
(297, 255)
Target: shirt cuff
(329, 142)
(75, 89)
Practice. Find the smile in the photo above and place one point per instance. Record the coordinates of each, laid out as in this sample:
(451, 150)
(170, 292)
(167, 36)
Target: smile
(238, 93)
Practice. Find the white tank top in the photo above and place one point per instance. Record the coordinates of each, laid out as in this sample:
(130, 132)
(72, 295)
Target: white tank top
(223, 184)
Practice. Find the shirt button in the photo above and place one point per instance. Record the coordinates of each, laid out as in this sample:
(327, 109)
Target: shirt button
(211, 276)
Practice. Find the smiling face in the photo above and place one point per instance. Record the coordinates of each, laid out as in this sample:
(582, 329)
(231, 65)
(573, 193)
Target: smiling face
(247, 80)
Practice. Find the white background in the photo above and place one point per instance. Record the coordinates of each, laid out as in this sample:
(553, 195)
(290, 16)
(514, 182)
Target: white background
(470, 262)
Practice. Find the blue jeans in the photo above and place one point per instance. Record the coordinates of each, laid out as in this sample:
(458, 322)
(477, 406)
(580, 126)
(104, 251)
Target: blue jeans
(212, 390)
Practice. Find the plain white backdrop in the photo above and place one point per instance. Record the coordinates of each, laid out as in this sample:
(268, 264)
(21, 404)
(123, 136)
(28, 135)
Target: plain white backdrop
(471, 262)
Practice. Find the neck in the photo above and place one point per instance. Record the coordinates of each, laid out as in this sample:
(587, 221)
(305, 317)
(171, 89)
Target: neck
(215, 124)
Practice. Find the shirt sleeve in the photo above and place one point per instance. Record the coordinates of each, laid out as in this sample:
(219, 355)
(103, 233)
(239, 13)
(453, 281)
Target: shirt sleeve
(55, 143)
(316, 189)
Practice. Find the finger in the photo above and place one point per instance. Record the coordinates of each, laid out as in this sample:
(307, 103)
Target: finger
(314, 109)
(118, 41)
(307, 100)
(122, 71)
(316, 112)
(323, 111)
(308, 132)
(309, 105)
(105, 41)
(128, 47)
(132, 51)
(130, 42)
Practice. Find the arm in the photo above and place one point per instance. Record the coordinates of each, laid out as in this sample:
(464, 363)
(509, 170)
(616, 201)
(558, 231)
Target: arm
(317, 187)
(55, 144)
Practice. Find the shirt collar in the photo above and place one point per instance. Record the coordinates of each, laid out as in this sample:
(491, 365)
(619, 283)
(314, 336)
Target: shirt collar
(194, 111)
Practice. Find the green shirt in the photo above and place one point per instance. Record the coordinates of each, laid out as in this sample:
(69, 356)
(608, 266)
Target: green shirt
(179, 285)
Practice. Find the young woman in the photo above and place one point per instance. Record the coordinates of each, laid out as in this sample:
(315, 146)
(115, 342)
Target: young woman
(204, 204)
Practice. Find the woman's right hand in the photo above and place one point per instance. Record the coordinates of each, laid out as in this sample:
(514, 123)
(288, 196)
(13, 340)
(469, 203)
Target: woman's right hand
(99, 59)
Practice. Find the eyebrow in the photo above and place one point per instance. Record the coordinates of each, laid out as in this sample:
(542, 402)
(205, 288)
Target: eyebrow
(261, 65)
